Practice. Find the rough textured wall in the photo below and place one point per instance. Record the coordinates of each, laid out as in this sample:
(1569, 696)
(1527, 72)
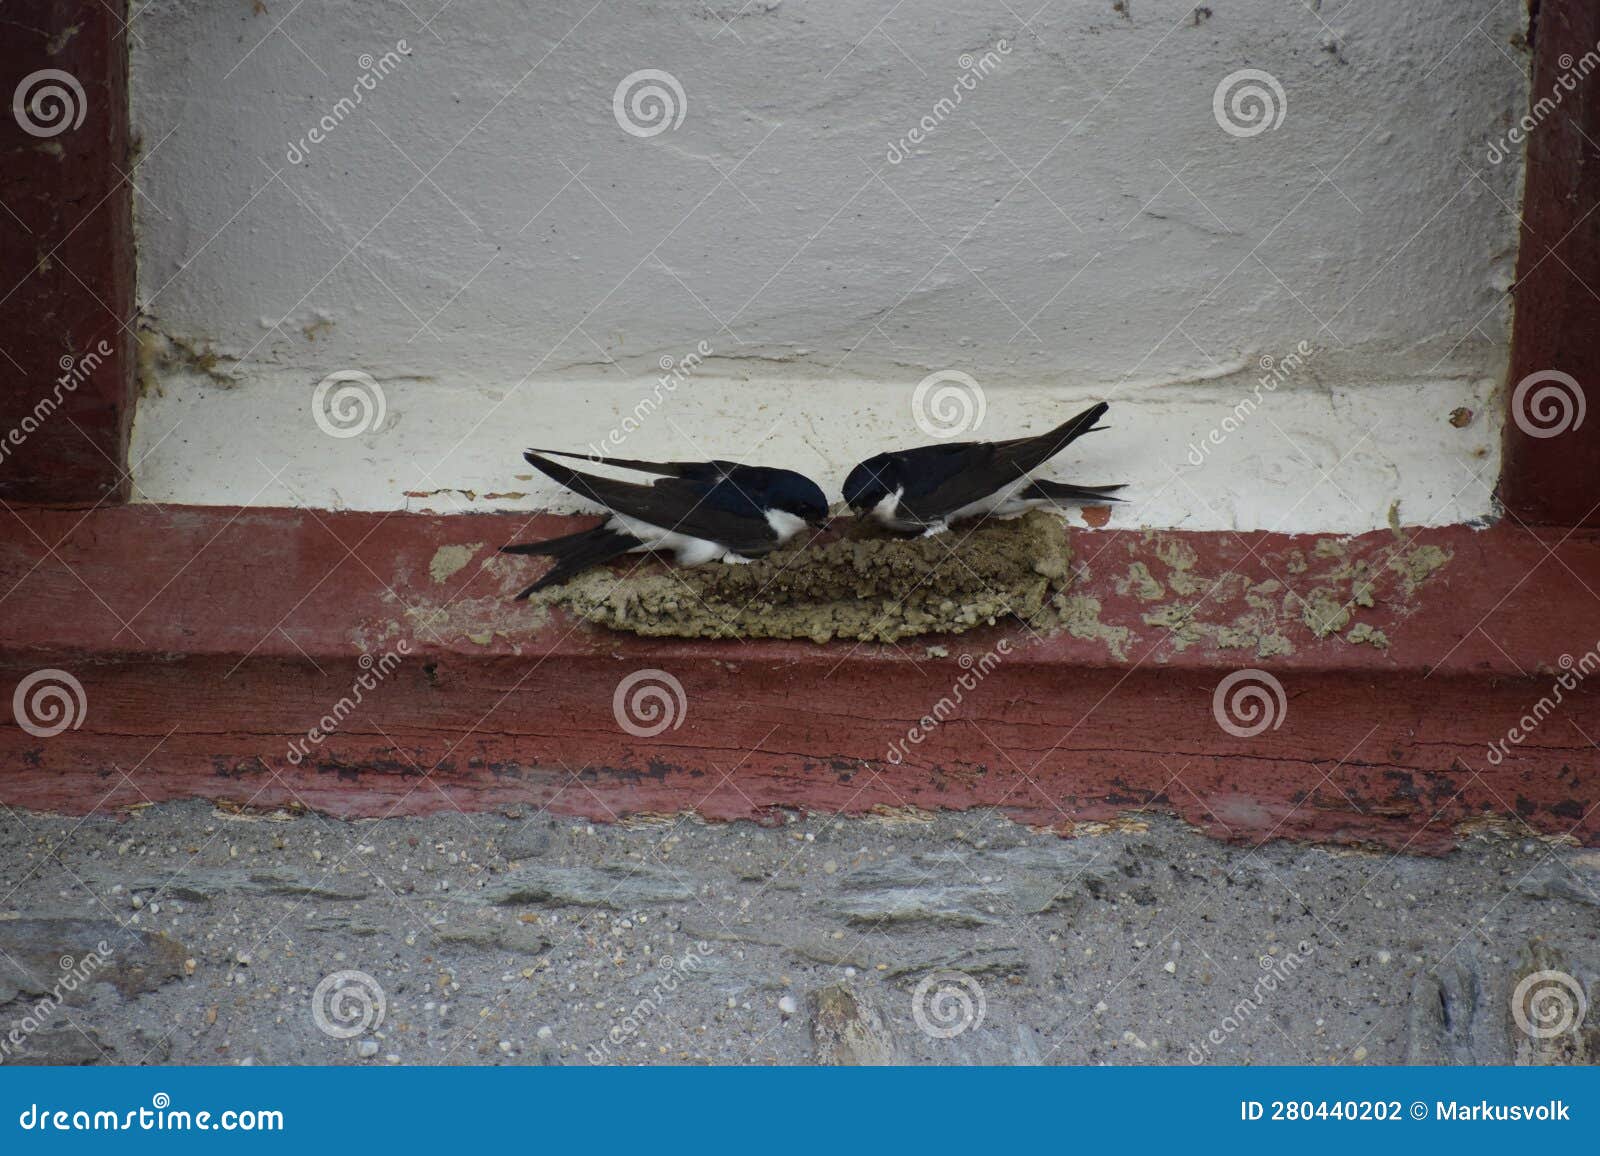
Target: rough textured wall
(510, 246)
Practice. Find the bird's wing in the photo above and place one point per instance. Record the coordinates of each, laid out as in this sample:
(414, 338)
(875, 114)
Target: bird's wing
(948, 477)
(940, 479)
(716, 511)
(1027, 453)
(708, 470)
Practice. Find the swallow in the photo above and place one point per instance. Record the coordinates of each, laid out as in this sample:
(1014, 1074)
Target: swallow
(923, 490)
(701, 511)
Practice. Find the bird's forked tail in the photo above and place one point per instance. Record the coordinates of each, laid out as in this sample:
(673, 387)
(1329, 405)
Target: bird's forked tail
(574, 554)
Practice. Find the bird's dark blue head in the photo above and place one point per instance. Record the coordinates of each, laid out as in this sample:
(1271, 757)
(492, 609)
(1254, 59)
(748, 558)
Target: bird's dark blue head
(871, 482)
(785, 490)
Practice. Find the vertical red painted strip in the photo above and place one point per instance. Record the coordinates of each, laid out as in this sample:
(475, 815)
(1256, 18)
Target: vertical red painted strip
(1552, 477)
(67, 349)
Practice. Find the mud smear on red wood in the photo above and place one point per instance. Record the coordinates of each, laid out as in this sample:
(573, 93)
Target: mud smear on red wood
(1291, 597)
(1125, 591)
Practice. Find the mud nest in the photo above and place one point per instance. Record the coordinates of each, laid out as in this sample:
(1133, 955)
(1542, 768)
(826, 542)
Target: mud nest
(865, 586)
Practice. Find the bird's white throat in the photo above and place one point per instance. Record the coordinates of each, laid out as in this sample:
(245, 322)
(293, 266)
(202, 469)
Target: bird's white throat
(887, 511)
(784, 524)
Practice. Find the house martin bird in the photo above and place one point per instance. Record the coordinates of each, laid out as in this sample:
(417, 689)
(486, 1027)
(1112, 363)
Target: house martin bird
(923, 490)
(701, 511)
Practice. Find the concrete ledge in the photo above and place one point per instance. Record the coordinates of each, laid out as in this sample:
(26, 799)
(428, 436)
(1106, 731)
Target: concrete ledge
(210, 641)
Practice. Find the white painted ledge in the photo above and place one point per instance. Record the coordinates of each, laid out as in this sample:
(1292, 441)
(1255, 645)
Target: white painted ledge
(1311, 457)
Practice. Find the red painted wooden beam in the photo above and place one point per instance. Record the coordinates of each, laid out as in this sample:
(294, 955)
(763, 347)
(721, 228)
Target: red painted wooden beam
(214, 648)
(67, 352)
(1552, 441)
(346, 661)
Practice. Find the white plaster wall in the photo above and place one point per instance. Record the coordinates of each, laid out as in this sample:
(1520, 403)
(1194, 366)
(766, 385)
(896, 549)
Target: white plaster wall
(483, 238)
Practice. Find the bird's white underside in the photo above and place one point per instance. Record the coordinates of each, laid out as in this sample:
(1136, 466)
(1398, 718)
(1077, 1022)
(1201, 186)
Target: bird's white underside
(784, 524)
(1003, 503)
(693, 551)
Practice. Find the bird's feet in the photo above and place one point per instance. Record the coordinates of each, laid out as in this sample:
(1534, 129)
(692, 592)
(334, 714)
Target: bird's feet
(733, 559)
(934, 530)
